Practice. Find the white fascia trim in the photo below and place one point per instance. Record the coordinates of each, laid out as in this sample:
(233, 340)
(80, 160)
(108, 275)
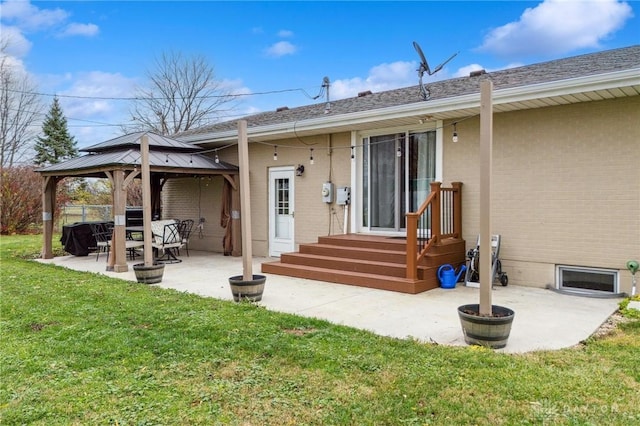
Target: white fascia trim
(502, 96)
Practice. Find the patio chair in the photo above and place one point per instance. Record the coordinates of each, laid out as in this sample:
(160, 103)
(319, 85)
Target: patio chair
(184, 229)
(166, 238)
(102, 233)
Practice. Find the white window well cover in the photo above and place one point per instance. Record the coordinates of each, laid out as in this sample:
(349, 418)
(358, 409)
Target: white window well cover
(586, 280)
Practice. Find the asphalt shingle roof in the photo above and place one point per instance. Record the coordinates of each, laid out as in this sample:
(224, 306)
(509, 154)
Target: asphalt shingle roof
(556, 70)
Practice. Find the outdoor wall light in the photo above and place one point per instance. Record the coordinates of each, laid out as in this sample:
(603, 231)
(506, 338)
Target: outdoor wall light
(299, 170)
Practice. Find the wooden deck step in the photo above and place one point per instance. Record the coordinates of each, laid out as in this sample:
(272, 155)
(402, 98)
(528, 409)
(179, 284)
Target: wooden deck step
(352, 252)
(365, 241)
(346, 264)
(368, 261)
(360, 279)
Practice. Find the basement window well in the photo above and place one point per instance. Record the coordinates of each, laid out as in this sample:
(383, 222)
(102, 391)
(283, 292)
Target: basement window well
(586, 280)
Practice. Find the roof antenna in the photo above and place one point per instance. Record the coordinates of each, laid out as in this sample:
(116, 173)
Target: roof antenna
(325, 85)
(424, 67)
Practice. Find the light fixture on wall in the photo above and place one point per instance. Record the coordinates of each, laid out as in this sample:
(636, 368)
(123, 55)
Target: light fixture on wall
(454, 138)
(311, 156)
(299, 170)
(275, 153)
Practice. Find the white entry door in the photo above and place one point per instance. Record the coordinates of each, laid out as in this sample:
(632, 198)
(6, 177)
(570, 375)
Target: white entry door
(281, 208)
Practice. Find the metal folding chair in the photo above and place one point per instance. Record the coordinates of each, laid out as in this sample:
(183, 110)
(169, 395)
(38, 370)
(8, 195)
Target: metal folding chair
(168, 240)
(184, 229)
(102, 233)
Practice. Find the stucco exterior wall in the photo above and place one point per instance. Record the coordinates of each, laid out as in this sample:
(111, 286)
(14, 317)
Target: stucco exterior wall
(565, 190)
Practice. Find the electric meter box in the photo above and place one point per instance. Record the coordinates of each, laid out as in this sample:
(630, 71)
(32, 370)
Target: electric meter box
(343, 196)
(327, 192)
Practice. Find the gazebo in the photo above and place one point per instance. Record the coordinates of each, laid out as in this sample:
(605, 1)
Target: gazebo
(120, 161)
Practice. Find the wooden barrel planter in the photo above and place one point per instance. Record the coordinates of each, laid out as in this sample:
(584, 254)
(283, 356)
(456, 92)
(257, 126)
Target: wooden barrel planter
(249, 290)
(492, 331)
(151, 274)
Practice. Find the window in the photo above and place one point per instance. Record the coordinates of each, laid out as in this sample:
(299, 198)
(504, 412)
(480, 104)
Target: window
(589, 280)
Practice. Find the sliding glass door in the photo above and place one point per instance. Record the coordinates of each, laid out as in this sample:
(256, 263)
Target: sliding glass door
(397, 171)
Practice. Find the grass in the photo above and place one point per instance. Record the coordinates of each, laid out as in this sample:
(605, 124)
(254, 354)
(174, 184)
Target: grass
(80, 348)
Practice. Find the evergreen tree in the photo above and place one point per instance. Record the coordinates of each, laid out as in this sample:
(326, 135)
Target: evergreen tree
(56, 144)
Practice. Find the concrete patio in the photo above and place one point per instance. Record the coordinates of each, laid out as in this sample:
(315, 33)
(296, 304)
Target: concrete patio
(544, 320)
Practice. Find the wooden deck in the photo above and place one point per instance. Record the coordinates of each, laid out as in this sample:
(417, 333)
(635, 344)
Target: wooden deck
(367, 261)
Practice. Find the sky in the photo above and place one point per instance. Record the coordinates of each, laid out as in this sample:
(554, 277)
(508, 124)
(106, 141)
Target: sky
(94, 54)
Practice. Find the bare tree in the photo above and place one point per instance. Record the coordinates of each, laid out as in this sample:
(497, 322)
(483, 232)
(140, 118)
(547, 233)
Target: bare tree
(20, 109)
(183, 94)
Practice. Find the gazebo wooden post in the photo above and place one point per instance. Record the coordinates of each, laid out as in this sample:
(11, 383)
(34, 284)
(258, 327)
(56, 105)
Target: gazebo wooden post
(118, 244)
(236, 234)
(48, 205)
(146, 200)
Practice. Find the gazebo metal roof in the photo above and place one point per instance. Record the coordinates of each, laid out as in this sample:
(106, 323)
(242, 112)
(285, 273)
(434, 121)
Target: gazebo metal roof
(166, 155)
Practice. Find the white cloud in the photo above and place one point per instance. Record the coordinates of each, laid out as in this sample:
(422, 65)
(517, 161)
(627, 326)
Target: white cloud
(16, 43)
(80, 29)
(93, 120)
(281, 48)
(464, 71)
(26, 17)
(29, 17)
(234, 86)
(380, 78)
(285, 33)
(558, 26)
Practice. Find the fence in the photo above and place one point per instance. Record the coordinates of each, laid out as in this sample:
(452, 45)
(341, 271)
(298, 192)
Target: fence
(85, 213)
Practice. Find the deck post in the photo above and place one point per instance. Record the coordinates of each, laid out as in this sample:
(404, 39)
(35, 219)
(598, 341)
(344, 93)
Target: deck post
(486, 151)
(245, 201)
(457, 208)
(435, 211)
(412, 246)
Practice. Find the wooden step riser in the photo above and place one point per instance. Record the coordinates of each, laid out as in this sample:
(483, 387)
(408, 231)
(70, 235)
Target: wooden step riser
(349, 278)
(431, 259)
(350, 265)
(354, 253)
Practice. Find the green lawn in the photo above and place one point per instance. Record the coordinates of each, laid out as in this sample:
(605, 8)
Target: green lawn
(83, 349)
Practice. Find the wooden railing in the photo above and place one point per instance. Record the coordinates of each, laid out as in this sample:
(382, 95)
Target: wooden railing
(440, 216)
